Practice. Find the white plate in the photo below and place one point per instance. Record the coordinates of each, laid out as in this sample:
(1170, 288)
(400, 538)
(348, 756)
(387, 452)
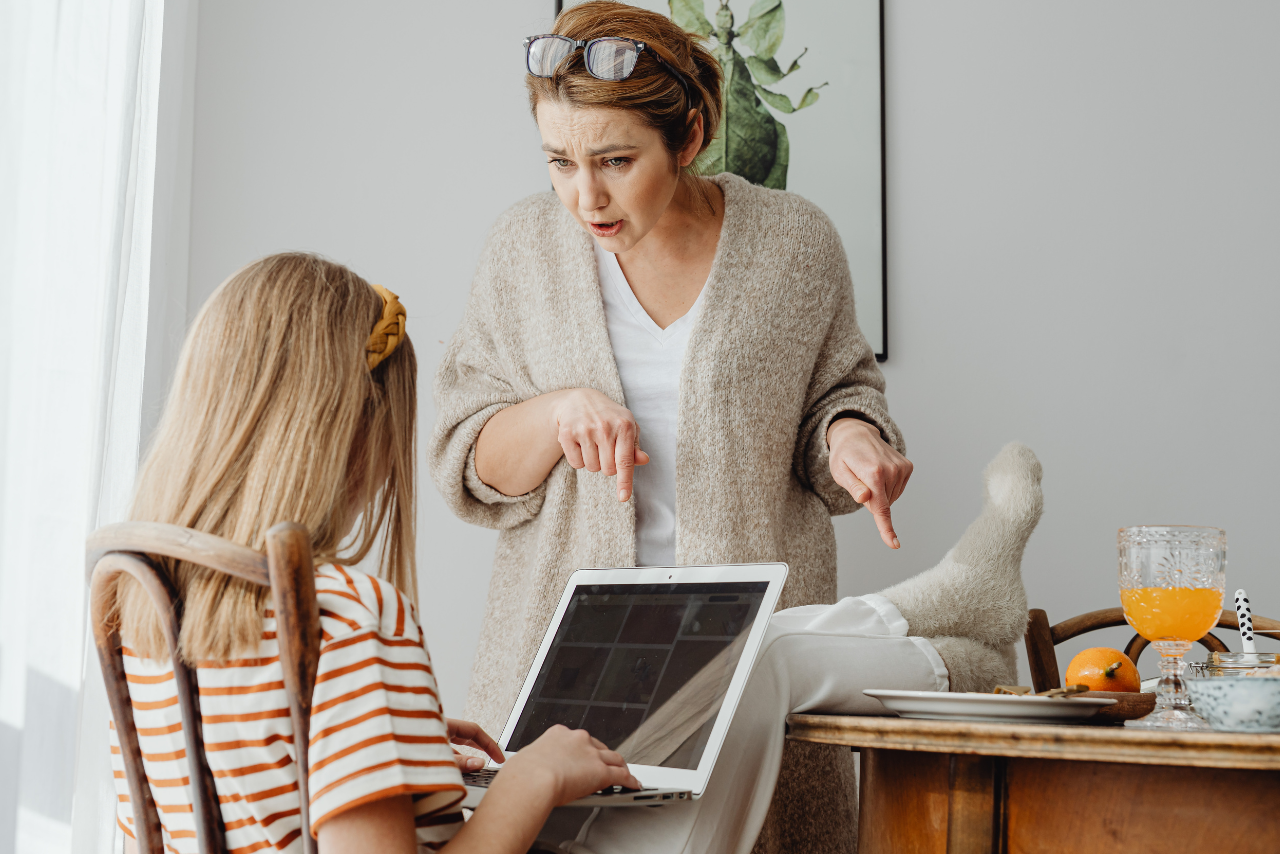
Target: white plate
(990, 708)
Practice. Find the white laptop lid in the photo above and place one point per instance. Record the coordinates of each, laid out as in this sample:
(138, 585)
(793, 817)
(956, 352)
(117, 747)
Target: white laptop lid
(651, 661)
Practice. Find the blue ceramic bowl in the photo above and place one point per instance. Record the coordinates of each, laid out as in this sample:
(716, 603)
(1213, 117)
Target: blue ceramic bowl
(1237, 703)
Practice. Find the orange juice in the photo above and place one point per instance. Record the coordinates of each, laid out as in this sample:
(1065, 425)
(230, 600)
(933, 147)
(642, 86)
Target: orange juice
(1172, 613)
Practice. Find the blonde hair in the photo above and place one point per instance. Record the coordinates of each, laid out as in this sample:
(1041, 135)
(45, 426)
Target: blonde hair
(274, 416)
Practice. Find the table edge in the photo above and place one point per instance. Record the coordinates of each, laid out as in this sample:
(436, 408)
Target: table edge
(1076, 743)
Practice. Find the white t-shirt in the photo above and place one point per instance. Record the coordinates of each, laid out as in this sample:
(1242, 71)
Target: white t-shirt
(649, 360)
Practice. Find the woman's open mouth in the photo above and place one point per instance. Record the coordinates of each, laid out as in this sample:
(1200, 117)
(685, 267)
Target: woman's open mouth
(605, 229)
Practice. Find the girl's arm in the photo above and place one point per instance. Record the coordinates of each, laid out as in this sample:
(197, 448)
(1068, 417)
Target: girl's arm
(520, 445)
(561, 766)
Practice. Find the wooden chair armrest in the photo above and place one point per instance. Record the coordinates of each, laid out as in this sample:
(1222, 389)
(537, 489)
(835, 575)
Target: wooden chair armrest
(1106, 618)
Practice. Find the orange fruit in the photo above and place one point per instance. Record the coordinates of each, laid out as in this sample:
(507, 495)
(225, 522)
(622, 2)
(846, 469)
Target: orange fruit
(1103, 669)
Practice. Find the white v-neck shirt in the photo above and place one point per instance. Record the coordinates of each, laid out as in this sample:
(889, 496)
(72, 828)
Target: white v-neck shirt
(649, 360)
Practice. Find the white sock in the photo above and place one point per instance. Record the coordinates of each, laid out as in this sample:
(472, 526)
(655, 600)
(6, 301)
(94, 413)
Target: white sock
(974, 666)
(976, 591)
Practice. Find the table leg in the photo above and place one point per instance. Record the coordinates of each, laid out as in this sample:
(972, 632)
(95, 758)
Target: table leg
(930, 803)
(903, 802)
(975, 804)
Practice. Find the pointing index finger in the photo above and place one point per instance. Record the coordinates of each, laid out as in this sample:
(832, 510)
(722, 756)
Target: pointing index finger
(625, 458)
(879, 508)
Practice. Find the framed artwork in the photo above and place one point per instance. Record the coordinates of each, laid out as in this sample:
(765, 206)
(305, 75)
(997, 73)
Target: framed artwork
(804, 111)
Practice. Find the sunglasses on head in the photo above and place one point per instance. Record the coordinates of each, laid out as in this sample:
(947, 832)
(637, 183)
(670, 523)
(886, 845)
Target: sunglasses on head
(610, 58)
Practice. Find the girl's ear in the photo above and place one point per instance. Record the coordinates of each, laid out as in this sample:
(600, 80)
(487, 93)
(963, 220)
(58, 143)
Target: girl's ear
(693, 144)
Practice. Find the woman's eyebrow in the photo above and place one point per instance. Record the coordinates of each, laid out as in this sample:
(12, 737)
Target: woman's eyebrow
(594, 152)
(611, 149)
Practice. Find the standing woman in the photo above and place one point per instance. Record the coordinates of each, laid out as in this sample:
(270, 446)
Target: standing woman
(645, 330)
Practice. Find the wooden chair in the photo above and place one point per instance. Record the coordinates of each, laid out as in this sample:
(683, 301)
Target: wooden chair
(1041, 638)
(287, 569)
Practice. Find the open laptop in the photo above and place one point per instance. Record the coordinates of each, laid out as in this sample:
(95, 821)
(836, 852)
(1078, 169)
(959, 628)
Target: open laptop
(651, 661)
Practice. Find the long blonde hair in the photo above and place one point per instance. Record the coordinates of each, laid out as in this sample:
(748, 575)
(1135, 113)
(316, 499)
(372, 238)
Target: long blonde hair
(275, 416)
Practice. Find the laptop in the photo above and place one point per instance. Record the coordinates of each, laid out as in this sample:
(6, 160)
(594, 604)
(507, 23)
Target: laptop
(651, 661)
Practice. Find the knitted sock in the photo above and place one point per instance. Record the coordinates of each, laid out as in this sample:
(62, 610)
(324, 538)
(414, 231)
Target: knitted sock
(974, 666)
(976, 591)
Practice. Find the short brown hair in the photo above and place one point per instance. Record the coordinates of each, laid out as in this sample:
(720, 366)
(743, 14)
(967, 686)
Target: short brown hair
(651, 90)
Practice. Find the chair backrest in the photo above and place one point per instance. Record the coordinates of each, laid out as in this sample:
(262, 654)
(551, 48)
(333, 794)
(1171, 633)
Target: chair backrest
(1041, 638)
(287, 569)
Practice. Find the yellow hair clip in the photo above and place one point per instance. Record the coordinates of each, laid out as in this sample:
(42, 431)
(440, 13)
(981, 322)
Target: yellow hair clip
(388, 332)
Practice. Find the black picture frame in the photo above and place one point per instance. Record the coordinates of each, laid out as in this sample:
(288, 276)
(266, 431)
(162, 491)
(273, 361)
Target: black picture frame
(883, 355)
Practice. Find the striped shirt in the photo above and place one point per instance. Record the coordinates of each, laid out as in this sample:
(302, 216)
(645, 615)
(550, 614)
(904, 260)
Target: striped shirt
(377, 728)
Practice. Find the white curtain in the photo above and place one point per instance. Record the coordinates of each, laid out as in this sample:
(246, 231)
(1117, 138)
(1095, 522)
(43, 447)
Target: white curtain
(78, 100)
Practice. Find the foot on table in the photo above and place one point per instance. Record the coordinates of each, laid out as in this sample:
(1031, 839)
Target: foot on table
(976, 591)
(974, 666)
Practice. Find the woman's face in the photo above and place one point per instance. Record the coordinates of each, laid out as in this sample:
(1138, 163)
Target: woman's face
(610, 170)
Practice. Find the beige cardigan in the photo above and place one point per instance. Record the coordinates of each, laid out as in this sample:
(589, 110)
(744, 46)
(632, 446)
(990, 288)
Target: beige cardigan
(774, 356)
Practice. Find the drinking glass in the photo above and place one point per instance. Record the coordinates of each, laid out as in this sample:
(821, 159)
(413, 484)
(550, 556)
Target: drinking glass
(1172, 578)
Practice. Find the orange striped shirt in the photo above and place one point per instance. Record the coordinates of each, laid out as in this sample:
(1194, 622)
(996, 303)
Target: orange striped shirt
(377, 728)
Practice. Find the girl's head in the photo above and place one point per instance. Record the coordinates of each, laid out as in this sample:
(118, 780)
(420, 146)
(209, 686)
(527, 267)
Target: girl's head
(618, 150)
(275, 415)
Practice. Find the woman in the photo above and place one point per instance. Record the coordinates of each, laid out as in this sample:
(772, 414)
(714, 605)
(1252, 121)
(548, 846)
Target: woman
(295, 399)
(692, 340)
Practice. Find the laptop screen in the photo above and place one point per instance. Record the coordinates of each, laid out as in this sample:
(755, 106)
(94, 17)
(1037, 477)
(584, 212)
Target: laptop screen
(643, 667)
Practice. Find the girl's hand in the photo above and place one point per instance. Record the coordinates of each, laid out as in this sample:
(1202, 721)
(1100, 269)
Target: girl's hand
(599, 435)
(870, 469)
(571, 763)
(468, 734)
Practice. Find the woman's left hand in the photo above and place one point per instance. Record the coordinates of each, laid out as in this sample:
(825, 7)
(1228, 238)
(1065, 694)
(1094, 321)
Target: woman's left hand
(870, 469)
(470, 734)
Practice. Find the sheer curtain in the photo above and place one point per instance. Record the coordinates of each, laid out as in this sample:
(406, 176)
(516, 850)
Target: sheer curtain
(78, 106)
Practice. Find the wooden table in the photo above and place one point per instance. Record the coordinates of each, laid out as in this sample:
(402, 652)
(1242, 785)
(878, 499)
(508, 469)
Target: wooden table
(935, 787)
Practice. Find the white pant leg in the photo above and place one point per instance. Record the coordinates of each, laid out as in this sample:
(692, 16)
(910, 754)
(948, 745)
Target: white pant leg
(814, 658)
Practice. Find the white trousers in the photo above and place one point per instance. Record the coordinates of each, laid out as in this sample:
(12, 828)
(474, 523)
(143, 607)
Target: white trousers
(817, 658)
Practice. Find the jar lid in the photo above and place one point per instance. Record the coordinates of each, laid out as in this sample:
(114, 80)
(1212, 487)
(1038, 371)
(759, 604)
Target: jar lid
(1244, 659)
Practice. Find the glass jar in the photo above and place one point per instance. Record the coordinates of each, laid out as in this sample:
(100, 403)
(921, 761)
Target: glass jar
(1237, 663)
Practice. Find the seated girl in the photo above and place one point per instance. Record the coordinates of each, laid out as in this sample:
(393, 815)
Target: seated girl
(286, 407)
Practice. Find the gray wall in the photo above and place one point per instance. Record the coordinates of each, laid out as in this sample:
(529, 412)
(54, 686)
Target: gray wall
(1082, 250)
(1083, 256)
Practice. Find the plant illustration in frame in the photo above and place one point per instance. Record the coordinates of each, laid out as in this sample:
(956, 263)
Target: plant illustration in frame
(752, 142)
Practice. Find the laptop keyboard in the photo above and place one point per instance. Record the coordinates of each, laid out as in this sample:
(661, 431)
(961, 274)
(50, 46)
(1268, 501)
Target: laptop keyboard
(483, 779)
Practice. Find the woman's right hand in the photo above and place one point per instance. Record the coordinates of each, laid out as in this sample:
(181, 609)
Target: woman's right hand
(599, 435)
(571, 763)
(520, 445)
